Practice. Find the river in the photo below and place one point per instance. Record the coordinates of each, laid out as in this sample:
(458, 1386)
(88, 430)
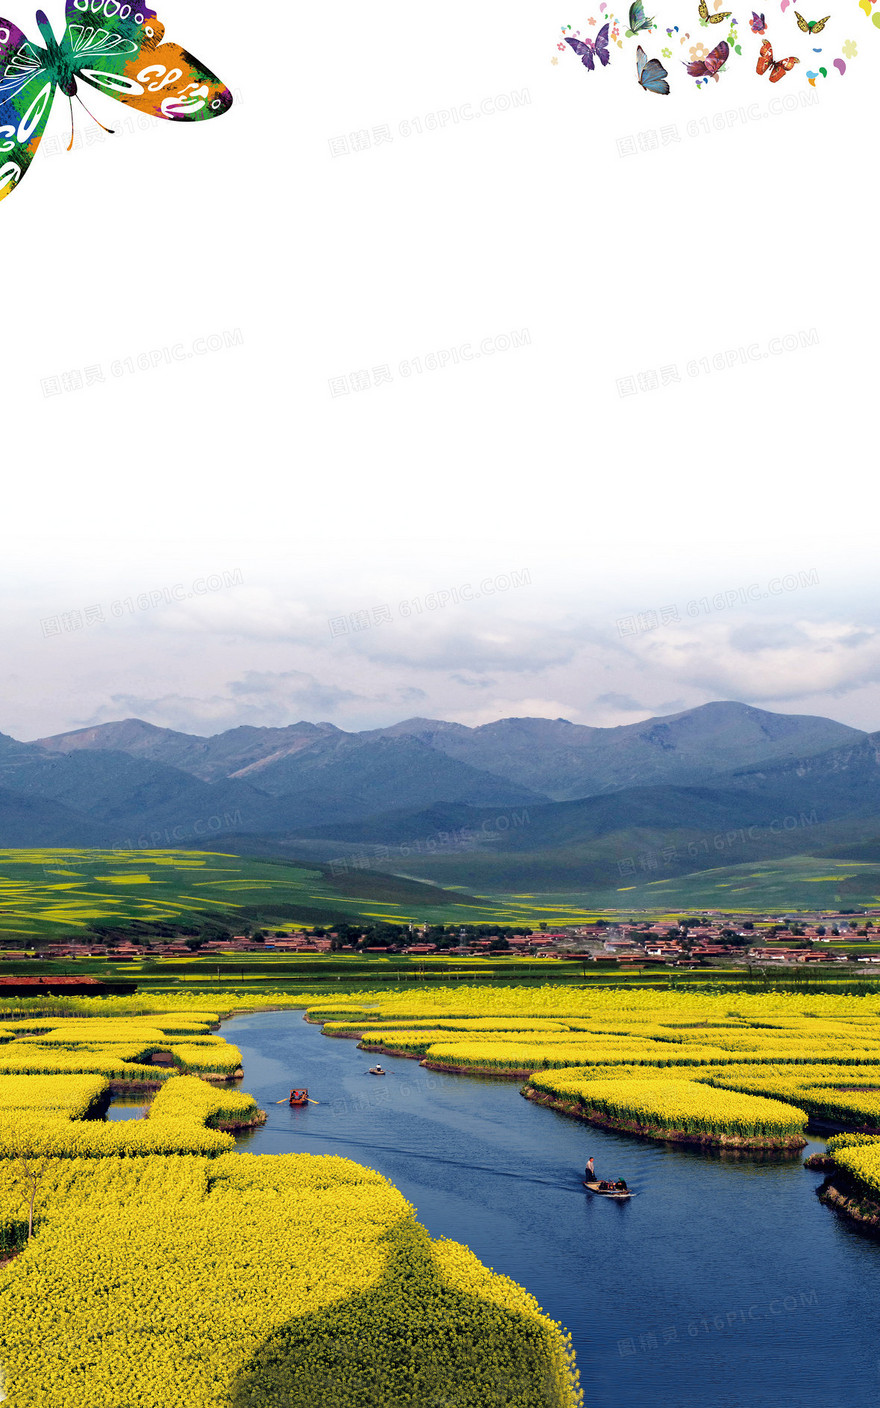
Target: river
(724, 1283)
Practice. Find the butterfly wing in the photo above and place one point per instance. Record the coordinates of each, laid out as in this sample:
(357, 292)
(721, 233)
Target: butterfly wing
(119, 49)
(718, 57)
(765, 58)
(697, 69)
(703, 9)
(818, 25)
(584, 50)
(651, 73)
(781, 67)
(637, 17)
(26, 93)
(802, 24)
(602, 46)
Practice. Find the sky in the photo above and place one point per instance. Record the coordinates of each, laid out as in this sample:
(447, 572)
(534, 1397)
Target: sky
(354, 406)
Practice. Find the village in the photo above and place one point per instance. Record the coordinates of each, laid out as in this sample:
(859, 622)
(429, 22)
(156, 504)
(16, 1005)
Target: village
(689, 942)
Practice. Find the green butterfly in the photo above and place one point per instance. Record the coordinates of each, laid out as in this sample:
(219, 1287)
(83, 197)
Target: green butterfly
(112, 45)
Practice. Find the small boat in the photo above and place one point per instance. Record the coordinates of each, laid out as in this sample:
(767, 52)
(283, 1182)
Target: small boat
(375, 1071)
(299, 1097)
(608, 1192)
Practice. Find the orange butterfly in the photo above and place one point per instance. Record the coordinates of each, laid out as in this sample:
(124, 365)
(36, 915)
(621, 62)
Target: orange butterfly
(778, 67)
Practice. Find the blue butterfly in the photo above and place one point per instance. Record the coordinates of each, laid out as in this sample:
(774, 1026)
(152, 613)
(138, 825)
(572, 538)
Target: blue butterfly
(650, 73)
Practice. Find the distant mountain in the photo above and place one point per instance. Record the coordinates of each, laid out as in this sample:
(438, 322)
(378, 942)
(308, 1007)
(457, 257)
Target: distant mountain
(223, 755)
(33, 821)
(704, 771)
(351, 775)
(550, 757)
(126, 798)
(567, 761)
(843, 781)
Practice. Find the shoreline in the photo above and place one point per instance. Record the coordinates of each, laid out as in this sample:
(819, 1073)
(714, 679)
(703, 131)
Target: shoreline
(475, 1072)
(840, 1193)
(792, 1142)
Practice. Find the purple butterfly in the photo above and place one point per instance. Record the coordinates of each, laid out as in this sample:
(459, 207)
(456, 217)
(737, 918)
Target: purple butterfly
(756, 23)
(712, 63)
(586, 48)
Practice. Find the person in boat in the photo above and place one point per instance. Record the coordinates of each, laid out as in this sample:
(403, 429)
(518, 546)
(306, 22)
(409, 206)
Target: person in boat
(376, 1071)
(590, 1172)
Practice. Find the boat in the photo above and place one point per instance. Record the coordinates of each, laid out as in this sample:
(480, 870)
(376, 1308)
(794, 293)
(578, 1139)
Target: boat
(375, 1071)
(299, 1097)
(596, 1187)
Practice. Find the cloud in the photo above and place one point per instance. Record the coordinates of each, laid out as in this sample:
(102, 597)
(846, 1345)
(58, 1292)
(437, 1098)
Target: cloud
(757, 664)
(509, 645)
(624, 702)
(290, 690)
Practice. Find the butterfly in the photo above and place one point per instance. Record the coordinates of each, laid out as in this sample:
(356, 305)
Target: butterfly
(778, 67)
(650, 73)
(114, 46)
(637, 19)
(712, 62)
(811, 26)
(757, 24)
(586, 48)
(712, 19)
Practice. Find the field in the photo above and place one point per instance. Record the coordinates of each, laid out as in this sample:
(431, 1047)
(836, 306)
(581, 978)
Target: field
(147, 1264)
(49, 892)
(792, 883)
(46, 892)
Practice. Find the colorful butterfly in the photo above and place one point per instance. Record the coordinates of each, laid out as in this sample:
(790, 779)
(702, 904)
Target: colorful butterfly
(586, 48)
(811, 26)
(778, 67)
(757, 24)
(650, 73)
(637, 19)
(712, 63)
(712, 19)
(114, 46)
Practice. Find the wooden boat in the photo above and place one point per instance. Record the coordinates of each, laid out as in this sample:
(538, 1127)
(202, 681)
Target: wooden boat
(375, 1071)
(608, 1192)
(299, 1097)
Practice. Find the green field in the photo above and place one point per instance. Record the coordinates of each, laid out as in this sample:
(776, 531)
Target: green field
(47, 892)
(63, 892)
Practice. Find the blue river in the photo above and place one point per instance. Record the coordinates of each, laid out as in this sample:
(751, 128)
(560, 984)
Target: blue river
(723, 1283)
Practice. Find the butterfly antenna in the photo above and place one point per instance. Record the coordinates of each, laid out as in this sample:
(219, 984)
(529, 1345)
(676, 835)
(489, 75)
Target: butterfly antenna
(70, 144)
(92, 116)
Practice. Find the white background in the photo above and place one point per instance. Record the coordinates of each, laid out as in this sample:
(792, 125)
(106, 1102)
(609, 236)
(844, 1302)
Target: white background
(524, 219)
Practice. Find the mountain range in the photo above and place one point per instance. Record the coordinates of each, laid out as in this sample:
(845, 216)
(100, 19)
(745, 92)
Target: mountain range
(311, 789)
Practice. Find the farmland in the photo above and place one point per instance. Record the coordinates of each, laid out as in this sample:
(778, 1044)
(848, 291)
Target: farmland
(44, 893)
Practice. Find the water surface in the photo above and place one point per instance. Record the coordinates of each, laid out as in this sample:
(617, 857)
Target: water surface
(724, 1283)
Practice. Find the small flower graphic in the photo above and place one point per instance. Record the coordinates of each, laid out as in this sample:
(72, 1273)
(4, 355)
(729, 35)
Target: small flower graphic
(667, 53)
(850, 49)
(698, 51)
(591, 20)
(561, 48)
